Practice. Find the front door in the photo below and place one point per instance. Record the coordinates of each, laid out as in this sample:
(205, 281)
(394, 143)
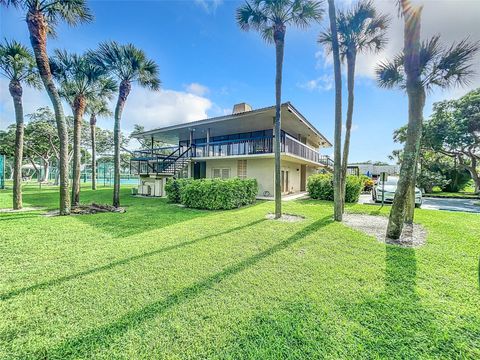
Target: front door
(199, 169)
(284, 181)
(303, 177)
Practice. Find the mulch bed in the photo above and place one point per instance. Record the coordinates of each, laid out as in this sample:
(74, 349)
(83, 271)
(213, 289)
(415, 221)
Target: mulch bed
(412, 235)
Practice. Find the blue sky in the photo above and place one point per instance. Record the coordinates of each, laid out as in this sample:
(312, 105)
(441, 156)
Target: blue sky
(207, 64)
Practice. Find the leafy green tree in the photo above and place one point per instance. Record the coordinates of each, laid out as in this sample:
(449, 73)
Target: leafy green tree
(454, 130)
(42, 17)
(97, 107)
(80, 81)
(127, 64)
(360, 29)
(18, 66)
(421, 67)
(271, 18)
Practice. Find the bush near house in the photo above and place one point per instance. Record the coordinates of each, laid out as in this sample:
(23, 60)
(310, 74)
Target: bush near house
(173, 189)
(367, 183)
(212, 194)
(320, 187)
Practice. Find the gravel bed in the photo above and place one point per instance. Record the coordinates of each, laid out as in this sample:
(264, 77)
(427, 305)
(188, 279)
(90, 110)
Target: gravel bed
(412, 235)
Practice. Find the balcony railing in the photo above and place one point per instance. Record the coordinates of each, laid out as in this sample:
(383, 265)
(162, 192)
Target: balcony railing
(295, 147)
(258, 145)
(163, 159)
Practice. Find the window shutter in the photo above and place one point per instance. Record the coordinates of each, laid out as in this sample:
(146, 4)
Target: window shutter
(225, 173)
(242, 169)
(216, 173)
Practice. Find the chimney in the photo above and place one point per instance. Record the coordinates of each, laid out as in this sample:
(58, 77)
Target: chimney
(241, 108)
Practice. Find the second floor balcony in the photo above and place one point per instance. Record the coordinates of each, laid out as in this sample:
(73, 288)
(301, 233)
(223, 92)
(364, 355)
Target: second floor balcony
(259, 145)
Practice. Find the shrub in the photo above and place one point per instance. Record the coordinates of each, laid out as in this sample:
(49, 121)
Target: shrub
(216, 194)
(320, 187)
(173, 189)
(367, 183)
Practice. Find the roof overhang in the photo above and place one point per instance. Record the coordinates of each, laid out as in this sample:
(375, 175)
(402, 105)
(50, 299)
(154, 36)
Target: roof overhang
(293, 122)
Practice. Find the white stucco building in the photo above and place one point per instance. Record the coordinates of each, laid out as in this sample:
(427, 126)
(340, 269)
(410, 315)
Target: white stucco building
(236, 145)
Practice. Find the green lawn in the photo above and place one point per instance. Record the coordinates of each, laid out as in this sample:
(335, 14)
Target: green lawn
(461, 195)
(161, 281)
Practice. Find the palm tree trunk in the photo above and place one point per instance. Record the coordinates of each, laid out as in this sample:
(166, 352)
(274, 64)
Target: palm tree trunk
(37, 27)
(410, 202)
(416, 102)
(78, 111)
(351, 58)
(124, 90)
(16, 92)
(337, 156)
(279, 37)
(93, 122)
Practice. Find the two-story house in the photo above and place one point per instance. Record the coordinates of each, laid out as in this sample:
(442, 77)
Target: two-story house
(236, 145)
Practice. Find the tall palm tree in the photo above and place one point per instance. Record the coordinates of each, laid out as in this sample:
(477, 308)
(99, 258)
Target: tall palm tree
(42, 16)
(98, 107)
(271, 18)
(418, 71)
(337, 154)
(128, 65)
(80, 81)
(18, 66)
(361, 29)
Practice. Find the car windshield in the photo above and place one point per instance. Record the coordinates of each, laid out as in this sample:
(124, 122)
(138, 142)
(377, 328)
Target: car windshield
(393, 181)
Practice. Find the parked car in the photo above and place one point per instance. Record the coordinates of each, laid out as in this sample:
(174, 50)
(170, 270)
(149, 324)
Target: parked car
(388, 190)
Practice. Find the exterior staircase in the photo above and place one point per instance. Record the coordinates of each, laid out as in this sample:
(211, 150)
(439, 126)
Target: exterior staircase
(175, 164)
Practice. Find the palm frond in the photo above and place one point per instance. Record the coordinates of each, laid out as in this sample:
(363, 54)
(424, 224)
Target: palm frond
(390, 73)
(17, 63)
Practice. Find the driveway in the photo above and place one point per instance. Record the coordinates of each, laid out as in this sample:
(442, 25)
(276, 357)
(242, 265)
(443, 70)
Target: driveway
(466, 205)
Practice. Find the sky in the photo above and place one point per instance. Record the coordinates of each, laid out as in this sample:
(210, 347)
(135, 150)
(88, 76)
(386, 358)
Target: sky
(207, 64)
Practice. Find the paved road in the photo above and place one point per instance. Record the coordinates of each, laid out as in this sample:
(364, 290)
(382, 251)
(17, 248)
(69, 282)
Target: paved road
(467, 205)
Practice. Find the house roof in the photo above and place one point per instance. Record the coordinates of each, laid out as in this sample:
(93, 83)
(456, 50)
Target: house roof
(250, 121)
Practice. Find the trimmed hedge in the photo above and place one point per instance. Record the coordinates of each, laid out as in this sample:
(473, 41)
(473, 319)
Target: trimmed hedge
(320, 187)
(212, 194)
(173, 189)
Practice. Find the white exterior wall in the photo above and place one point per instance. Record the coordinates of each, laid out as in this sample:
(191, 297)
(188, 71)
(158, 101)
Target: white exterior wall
(260, 169)
(263, 171)
(152, 186)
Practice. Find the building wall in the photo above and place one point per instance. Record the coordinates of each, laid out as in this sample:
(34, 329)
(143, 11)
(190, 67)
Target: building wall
(263, 171)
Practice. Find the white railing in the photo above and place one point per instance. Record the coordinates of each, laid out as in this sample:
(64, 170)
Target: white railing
(295, 147)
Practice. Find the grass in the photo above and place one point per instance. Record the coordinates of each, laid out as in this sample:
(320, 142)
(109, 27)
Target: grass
(161, 281)
(460, 195)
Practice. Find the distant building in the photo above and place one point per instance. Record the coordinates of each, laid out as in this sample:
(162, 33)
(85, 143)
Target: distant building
(374, 171)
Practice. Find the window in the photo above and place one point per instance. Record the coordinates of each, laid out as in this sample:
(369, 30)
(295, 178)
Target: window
(218, 173)
(242, 169)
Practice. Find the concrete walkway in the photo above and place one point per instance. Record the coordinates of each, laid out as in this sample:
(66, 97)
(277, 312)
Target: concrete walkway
(465, 205)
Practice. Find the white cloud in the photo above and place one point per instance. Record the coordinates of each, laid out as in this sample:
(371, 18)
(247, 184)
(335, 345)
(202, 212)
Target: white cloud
(323, 83)
(197, 89)
(452, 20)
(163, 108)
(210, 6)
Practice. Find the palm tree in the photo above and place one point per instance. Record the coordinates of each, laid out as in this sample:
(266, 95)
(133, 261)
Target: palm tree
(271, 18)
(337, 155)
(418, 71)
(42, 16)
(96, 108)
(80, 81)
(128, 65)
(360, 30)
(18, 66)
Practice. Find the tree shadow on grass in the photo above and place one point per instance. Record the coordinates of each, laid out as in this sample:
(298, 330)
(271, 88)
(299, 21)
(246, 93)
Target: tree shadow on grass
(84, 344)
(9, 217)
(296, 330)
(397, 324)
(121, 262)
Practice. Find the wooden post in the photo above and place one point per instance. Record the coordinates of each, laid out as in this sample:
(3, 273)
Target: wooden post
(152, 142)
